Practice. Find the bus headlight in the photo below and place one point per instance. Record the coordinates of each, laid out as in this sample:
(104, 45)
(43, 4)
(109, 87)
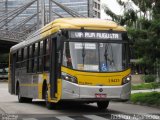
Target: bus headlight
(126, 79)
(69, 78)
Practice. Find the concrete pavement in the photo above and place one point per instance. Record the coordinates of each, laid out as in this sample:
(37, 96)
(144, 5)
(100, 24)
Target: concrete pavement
(37, 111)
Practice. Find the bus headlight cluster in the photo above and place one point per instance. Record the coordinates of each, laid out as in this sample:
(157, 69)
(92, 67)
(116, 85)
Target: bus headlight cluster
(126, 79)
(69, 78)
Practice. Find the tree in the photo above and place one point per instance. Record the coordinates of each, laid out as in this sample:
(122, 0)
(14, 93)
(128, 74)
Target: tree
(143, 28)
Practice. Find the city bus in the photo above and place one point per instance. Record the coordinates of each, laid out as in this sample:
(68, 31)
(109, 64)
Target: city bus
(72, 59)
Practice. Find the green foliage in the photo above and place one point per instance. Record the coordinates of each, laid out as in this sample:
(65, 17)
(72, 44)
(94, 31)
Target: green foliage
(145, 23)
(155, 85)
(121, 2)
(151, 98)
(110, 13)
(156, 10)
(142, 86)
(149, 78)
(144, 32)
(145, 86)
(146, 43)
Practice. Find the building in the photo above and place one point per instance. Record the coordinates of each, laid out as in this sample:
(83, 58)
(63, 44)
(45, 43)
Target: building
(18, 26)
(88, 8)
(97, 8)
(10, 5)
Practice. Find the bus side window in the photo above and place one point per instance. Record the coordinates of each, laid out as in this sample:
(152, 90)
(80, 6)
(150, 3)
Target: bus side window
(19, 59)
(30, 60)
(19, 56)
(22, 57)
(25, 56)
(25, 53)
(38, 54)
(40, 58)
(35, 57)
(22, 54)
(46, 56)
(33, 52)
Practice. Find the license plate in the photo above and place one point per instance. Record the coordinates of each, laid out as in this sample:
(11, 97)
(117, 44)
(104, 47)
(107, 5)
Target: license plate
(100, 95)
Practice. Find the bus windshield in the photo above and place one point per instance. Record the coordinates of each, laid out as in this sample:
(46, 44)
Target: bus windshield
(98, 57)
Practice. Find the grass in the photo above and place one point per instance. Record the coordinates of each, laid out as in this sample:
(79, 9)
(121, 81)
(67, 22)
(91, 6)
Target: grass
(144, 86)
(152, 98)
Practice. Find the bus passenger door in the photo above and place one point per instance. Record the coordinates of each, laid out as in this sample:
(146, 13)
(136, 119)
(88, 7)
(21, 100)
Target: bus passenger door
(55, 71)
(53, 67)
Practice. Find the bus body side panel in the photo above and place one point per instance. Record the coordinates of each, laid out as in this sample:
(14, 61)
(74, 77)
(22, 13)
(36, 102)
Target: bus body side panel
(42, 78)
(24, 81)
(28, 83)
(31, 85)
(11, 78)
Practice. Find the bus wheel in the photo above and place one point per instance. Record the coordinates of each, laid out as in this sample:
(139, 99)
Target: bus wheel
(102, 105)
(22, 99)
(49, 105)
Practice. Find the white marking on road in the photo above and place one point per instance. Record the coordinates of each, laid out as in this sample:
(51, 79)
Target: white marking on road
(95, 117)
(150, 116)
(136, 117)
(122, 116)
(29, 119)
(64, 118)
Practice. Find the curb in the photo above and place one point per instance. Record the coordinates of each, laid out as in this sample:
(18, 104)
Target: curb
(145, 91)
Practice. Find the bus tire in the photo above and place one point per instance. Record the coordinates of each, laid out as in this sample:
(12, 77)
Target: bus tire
(22, 99)
(102, 105)
(49, 105)
(28, 100)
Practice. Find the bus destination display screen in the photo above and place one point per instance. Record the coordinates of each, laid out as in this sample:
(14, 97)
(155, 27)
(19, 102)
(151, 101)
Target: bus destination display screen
(95, 35)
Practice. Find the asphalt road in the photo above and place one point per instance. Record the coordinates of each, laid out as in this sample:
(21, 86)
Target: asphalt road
(10, 109)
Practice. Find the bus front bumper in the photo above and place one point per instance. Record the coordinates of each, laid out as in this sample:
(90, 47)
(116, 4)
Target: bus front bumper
(71, 91)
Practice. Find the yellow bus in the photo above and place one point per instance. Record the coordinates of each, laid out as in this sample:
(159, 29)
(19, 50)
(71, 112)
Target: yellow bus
(72, 59)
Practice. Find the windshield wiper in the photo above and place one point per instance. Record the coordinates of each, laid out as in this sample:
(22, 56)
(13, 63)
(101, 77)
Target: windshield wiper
(106, 56)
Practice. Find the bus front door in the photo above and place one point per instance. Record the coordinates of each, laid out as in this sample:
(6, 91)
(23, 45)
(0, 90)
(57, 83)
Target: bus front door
(53, 67)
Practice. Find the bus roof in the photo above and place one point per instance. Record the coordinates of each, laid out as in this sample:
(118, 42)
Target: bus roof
(69, 23)
(88, 23)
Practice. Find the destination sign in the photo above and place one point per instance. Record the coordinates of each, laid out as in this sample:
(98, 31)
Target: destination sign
(96, 35)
